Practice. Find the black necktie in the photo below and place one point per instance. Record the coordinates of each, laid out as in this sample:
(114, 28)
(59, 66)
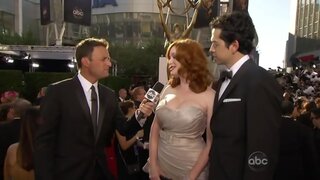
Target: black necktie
(94, 108)
(225, 75)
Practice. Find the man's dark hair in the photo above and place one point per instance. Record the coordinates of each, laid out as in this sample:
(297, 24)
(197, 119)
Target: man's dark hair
(238, 26)
(85, 48)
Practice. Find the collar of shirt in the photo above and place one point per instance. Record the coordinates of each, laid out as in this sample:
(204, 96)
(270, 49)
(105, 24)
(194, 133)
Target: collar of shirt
(234, 68)
(86, 85)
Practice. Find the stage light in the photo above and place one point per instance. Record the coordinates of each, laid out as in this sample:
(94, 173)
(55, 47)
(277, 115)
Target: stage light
(8, 59)
(35, 65)
(71, 65)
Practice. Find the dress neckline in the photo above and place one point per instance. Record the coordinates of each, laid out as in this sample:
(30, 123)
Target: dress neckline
(185, 106)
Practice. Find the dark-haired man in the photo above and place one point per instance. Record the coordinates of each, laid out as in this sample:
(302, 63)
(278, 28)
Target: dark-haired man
(80, 116)
(246, 118)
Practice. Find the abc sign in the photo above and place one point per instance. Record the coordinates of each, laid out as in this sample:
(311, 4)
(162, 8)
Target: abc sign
(77, 12)
(258, 161)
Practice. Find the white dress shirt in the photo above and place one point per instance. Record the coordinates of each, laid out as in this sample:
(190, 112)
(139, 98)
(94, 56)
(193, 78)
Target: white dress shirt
(234, 70)
(86, 86)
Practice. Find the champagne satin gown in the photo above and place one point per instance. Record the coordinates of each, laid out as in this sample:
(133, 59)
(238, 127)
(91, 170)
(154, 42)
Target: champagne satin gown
(180, 141)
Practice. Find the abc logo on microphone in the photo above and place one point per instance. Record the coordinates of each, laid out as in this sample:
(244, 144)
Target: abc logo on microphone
(258, 161)
(152, 95)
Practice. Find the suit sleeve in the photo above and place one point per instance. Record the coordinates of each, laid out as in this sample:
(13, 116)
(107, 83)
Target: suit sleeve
(45, 137)
(263, 118)
(309, 154)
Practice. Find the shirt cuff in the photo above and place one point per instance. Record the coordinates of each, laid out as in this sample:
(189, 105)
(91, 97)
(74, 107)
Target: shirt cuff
(142, 120)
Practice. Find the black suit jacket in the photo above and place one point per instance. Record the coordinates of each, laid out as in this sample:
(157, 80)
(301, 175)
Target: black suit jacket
(245, 126)
(316, 134)
(298, 156)
(66, 146)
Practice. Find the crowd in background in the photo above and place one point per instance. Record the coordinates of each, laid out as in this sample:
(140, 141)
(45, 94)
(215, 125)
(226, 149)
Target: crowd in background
(126, 156)
(300, 131)
(301, 88)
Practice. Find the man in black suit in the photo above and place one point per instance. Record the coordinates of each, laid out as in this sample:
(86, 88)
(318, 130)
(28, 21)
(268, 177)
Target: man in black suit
(80, 116)
(247, 107)
(297, 152)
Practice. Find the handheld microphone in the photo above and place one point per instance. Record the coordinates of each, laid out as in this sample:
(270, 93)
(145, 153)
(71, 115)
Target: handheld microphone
(152, 96)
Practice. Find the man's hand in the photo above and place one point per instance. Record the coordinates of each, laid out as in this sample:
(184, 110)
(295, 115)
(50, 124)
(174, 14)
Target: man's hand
(146, 107)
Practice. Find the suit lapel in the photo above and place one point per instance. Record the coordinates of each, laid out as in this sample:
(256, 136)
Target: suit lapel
(82, 99)
(102, 109)
(233, 83)
(216, 98)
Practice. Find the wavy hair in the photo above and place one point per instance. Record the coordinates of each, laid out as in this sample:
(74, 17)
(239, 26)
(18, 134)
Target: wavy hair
(194, 65)
(238, 26)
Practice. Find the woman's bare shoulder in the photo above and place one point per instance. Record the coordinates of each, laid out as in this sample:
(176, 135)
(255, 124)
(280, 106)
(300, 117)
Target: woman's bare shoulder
(166, 90)
(13, 148)
(12, 153)
(209, 92)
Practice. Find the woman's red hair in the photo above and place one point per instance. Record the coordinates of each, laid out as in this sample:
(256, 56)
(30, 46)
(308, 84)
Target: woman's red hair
(194, 65)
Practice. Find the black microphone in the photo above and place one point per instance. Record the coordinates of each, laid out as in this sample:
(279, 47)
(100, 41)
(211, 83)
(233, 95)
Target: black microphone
(152, 96)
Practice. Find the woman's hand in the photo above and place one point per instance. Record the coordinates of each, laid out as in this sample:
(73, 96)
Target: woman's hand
(190, 176)
(140, 134)
(154, 172)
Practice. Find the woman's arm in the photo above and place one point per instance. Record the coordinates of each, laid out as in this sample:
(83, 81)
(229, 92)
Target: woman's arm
(124, 143)
(6, 168)
(154, 170)
(10, 159)
(204, 156)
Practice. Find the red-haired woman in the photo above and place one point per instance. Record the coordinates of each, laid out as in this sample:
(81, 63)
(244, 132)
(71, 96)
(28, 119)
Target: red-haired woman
(177, 148)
